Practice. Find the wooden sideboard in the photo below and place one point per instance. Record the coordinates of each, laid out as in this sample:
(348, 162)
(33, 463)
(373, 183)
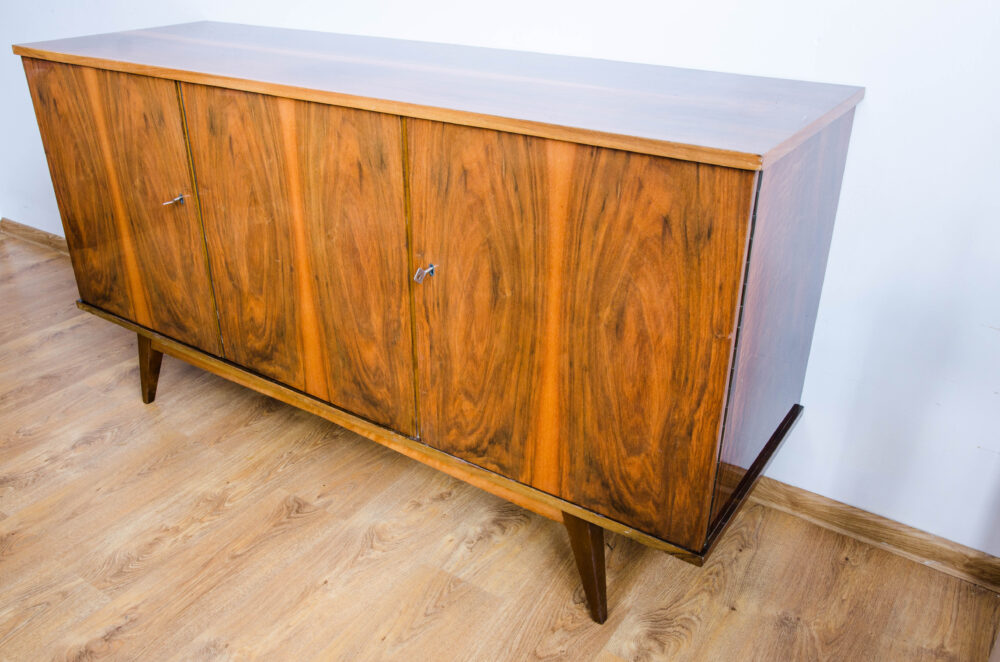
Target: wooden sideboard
(585, 286)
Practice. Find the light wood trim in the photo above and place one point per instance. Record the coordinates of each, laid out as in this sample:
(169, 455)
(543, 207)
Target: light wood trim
(505, 488)
(34, 235)
(711, 155)
(925, 548)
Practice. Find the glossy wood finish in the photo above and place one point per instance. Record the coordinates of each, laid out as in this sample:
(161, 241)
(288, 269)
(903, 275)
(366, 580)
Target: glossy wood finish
(221, 524)
(116, 152)
(653, 276)
(577, 333)
(726, 119)
(587, 541)
(305, 223)
(478, 216)
(796, 208)
(149, 368)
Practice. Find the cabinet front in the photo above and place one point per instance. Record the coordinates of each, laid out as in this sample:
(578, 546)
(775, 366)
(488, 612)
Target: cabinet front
(306, 229)
(577, 331)
(119, 166)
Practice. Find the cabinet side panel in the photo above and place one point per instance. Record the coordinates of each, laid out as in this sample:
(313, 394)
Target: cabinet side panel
(306, 230)
(796, 208)
(117, 153)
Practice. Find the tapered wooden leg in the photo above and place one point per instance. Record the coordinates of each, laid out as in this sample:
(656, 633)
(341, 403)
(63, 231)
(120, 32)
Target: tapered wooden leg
(587, 541)
(149, 368)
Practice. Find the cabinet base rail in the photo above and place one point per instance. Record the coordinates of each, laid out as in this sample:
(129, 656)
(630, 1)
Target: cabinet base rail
(585, 528)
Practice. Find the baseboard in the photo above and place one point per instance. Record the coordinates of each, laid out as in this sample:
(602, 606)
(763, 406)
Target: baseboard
(34, 235)
(949, 557)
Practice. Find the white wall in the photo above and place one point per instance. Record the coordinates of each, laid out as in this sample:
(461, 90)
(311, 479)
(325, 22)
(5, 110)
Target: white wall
(903, 391)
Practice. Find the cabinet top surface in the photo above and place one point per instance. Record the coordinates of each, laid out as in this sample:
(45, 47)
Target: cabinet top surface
(727, 119)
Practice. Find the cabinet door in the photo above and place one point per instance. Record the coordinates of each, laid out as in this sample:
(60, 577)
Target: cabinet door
(306, 228)
(577, 332)
(116, 152)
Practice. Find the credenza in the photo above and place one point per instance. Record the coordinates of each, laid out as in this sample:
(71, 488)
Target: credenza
(585, 286)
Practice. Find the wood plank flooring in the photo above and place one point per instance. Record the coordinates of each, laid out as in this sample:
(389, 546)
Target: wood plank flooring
(217, 524)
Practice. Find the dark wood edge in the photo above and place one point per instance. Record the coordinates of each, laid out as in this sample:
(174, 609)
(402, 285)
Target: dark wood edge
(587, 542)
(682, 151)
(149, 368)
(527, 497)
(750, 478)
(196, 199)
(34, 235)
(734, 353)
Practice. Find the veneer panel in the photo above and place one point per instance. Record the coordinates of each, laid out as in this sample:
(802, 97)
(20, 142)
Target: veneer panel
(578, 328)
(304, 219)
(116, 151)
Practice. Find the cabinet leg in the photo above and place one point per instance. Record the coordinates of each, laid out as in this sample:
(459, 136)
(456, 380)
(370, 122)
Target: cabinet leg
(149, 368)
(587, 541)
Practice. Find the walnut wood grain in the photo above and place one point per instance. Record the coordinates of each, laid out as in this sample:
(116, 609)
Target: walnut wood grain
(150, 361)
(726, 119)
(577, 333)
(476, 214)
(653, 273)
(116, 152)
(305, 224)
(796, 207)
(574, 350)
(67, 124)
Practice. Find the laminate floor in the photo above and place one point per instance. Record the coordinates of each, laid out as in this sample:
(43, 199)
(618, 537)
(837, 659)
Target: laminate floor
(217, 524)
